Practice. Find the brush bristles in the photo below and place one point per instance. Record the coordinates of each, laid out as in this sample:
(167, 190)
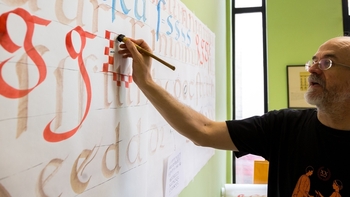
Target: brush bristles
(120, 37)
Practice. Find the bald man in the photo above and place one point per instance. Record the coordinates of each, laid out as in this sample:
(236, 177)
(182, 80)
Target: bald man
(291, 140)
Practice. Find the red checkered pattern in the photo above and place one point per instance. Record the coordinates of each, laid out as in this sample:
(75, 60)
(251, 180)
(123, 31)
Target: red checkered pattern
(119, 78)
(109, 52)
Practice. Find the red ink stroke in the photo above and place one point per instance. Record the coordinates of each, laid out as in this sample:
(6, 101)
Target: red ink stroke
(6, 42)
(118, 77)
(203, 50)
(198, 49)
(48, 134)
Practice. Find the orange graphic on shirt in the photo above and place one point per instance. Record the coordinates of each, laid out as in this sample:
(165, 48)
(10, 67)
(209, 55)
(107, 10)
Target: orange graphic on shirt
(302, 187)
(337, 186)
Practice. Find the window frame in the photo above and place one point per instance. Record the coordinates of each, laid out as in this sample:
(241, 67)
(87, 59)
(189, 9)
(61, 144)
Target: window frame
(241, 10)
(346, 18)
(235, 11)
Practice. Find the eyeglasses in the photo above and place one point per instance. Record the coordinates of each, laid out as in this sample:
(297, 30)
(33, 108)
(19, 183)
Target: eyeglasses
(323, 64)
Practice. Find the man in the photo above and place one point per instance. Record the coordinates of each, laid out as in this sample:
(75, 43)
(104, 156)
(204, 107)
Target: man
(291, 140)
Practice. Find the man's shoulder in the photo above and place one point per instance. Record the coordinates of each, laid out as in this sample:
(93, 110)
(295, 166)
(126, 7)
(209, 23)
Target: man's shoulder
(293, 112)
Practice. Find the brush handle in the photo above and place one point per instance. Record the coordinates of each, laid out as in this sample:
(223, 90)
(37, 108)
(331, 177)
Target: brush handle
(122, 38)
(140, 49)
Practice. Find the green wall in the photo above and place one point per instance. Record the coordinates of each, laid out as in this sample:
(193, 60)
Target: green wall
(213, 176)
(295, 29)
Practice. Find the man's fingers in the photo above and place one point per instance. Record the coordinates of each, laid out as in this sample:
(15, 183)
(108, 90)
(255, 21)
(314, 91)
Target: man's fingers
(143, 45)
(130, 46)
(123, 51)
(129, 49)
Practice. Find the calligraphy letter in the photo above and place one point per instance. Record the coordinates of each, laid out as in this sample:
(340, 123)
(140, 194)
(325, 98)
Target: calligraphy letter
(5, 41)
(113, 147)
(48, 134)
(78, 186)
(56, 163)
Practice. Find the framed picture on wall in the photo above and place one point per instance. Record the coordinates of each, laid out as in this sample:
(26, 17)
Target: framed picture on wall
(297, 85)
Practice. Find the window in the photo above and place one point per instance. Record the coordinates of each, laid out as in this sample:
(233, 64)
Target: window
(247, 4)
(249, 69)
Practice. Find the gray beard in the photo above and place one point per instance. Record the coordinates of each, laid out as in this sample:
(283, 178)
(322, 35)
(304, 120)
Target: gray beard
(330, 101)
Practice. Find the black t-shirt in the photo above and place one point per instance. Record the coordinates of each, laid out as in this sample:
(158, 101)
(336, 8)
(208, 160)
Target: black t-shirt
(305, 157)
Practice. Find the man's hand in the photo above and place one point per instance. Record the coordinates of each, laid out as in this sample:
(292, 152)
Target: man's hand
(141, 63)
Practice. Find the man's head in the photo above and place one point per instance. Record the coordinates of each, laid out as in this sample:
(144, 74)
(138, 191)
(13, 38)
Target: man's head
(330, 85)
(309, 170)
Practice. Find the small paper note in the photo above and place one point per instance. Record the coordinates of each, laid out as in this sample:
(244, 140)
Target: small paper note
(174, 176)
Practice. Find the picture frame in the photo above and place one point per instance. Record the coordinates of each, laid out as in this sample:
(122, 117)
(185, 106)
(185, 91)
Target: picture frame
(297, 85)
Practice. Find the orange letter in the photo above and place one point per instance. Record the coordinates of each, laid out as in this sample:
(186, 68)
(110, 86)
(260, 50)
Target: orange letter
(78, 186)
(42, 182)
(107, 172)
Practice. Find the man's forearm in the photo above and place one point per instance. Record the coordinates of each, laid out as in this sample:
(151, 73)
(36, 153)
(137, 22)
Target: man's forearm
(182, 118)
